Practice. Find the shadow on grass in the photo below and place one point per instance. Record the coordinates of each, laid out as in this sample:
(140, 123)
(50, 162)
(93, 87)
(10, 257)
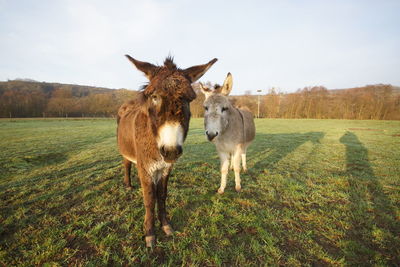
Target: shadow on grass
(40, 191)
(25, 163)
(373, 221)
(26, 160)
(264, 153)
(268, 150)
(373, 236)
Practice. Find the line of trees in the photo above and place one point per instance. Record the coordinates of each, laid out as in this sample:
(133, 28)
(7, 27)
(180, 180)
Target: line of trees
(371, 102)
(35, 99)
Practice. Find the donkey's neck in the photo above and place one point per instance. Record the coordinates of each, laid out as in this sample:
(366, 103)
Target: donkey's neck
(234, 130)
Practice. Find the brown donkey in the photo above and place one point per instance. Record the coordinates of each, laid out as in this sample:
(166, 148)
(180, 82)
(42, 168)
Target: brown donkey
(151, 131)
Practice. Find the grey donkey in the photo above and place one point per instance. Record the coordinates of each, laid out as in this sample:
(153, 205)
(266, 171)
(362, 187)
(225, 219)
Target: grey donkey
(231, 129)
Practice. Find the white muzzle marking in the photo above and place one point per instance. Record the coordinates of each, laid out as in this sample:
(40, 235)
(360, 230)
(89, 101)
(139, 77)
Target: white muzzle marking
(170, 135)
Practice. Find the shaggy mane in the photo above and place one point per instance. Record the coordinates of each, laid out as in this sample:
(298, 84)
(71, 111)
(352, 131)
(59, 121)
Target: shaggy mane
(169, 63)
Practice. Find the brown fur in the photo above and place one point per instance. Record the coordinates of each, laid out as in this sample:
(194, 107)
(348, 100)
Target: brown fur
(164, 100)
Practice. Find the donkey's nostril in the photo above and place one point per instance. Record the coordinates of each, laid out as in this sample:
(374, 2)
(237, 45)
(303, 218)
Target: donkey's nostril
(179, 149)
(171, 154)
(162, 151)
(210, 136)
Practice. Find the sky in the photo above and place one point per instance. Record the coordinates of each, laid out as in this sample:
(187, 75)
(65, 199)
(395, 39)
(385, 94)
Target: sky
(285, 44)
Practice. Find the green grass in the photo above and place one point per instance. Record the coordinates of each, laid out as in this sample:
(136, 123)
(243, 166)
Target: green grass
(318, 192)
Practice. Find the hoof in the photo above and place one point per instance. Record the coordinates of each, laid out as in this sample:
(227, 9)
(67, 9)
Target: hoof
(244, 169)
(168, 230)
(238, 188)
(129, 187)
(150, 241)
(220, 191)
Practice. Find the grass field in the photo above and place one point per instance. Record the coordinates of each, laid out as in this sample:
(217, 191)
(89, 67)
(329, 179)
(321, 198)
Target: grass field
(318, 192)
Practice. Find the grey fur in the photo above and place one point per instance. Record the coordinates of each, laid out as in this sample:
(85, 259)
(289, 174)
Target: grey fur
(231, 130)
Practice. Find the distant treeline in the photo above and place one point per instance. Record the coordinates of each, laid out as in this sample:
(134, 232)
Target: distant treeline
(36, 99)
(371, 102)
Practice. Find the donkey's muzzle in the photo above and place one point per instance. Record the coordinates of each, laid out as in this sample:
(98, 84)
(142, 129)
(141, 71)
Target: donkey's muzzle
(211, 136)
(171, 154)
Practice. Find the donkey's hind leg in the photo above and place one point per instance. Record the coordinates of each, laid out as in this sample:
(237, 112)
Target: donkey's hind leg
(127, 177)
(244, 162)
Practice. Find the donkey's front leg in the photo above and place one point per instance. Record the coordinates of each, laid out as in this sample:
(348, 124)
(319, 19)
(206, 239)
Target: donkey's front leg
(149, 198)
(236, 167)
(224, 158)
(161, 198)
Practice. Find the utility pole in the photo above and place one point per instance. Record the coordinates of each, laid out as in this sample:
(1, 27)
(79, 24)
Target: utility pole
(258, 106)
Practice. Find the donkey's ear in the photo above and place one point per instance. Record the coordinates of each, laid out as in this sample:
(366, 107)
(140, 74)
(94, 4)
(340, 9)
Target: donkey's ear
(147, 68)
(227, 86)
(194, 73)
(205, 90)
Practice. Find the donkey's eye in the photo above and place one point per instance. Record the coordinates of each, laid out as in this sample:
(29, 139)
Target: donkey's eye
(224, 109)
(206, 108)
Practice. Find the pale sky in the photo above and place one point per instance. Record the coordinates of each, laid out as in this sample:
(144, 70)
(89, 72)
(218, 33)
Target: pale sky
(283, 44)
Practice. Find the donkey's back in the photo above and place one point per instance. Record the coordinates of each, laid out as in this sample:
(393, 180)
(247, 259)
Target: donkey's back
(248, 127)
(126, 120)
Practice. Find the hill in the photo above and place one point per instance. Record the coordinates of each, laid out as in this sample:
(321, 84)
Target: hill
(395, 89)
(21, 98)
(28, 98)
